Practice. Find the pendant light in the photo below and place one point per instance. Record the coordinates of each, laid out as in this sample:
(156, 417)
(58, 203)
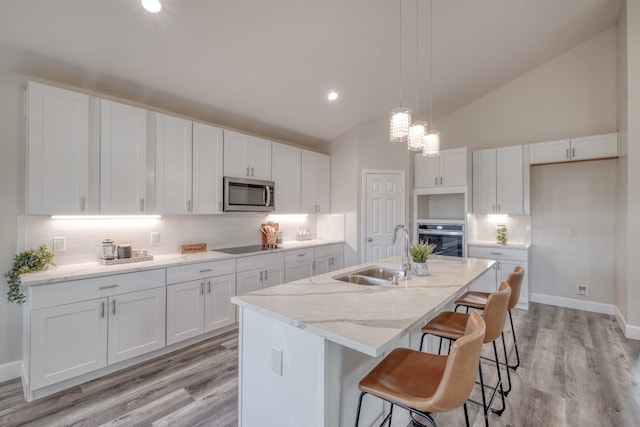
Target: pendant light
(418, 129)
(400, 118)
(431, 146)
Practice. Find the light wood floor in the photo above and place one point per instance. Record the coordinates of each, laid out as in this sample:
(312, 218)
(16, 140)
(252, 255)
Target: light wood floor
(577, 370)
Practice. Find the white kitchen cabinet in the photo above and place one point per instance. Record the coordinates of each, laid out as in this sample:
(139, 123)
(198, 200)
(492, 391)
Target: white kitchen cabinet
(218, 309)
(506, 260)
(246, 156)
(315, 183)
(259, 272)
(123, 158)
(448, 169)
(567, 150)
(498, 181)
(207, 169)
(173, 164)
(67, 340)
(285, 170)
(136, 324)
(328, 258)
(299, 264)
(57, 150)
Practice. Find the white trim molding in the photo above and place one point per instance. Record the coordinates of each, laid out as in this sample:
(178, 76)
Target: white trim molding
(10, 371)
(630, 331)
(596, 307)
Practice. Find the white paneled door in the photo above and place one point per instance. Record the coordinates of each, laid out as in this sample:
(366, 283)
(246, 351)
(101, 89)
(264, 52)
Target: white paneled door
(384, 209)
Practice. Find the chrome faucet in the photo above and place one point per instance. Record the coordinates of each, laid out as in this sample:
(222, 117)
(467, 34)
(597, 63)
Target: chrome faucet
(406, 254)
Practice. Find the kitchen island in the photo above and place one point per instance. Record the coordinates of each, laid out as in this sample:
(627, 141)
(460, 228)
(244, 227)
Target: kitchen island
(305, 345)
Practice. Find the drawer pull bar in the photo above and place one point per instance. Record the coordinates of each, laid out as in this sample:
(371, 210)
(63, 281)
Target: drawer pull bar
(496, 253)
(108, 287)
(209, 287)
(302, 254)
(113, 304)
(102, 314)
(206, 270)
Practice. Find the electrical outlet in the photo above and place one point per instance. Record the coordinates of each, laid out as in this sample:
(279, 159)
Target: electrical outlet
(573, 233)
(59, 244)
(276, 360)
(582, 290)
(155, 238)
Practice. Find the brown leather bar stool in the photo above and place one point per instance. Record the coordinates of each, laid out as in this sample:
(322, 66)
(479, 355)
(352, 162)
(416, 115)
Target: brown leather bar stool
(423, 383)
(451, 325)
(475, 299)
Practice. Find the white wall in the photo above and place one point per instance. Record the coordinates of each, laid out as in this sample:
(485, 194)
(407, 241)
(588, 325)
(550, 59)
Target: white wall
(579, 196)
(574, 94)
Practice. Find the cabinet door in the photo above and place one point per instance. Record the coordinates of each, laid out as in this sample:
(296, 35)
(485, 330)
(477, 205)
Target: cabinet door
(185, 311)
(285, 162)
(594, 147)
(207, 169)
(260, 158)
(136, 323)
(484, 181)
(218, 309)
(426, 171)
(236, 154)
(322, 265)
(273, 275)
(549, 152)
(123, 158)
(67, 340)
(453, 167)
(298, 270)
(323, 182)
(58, 150)
(308, 184)
(173, 165)
(249, 281)
(486, 282)
(510, 194)
(336, 263)
(316, 182)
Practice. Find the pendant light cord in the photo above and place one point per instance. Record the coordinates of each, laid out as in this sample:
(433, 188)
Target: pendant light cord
(417, 60)
(400, 50)
(431, 62)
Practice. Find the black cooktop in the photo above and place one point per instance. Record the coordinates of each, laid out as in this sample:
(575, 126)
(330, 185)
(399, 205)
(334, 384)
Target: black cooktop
(246, 249)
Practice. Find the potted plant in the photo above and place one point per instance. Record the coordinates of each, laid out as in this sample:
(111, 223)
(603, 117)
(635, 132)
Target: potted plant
(420, 253)
(28, 261)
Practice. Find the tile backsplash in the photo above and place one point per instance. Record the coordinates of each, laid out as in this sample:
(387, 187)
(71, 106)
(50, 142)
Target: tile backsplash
(482, 228)
(83, 237)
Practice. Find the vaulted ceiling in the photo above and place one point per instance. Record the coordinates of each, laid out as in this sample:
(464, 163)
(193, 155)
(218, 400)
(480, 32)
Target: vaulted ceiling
(265, 67)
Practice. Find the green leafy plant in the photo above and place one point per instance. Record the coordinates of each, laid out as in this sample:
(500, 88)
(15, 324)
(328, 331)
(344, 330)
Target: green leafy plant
(420, 252)
(28, 261)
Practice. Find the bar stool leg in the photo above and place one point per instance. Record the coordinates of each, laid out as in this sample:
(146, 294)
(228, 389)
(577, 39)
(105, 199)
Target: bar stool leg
(515, 344)
(501, 410)
(466, 414)
(485, 410)
(506, 364)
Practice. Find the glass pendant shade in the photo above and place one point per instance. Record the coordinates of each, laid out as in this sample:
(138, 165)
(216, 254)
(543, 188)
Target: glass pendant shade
(431, 144)
(400, 120)
(417, 132)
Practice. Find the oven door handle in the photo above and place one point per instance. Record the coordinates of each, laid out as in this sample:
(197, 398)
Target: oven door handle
(268, 195)
(441, 233)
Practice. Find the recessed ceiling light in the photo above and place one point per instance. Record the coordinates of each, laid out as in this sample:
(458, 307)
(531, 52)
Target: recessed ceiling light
(332, 96)
(152, 6)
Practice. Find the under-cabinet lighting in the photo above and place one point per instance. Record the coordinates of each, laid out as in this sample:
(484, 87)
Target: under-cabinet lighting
(292, 218)
(94, 217)
(497, 218)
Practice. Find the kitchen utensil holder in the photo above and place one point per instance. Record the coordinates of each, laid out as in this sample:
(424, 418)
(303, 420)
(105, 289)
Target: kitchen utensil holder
(271, 239)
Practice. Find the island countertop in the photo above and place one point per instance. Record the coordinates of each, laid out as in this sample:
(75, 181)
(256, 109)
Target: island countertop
(368, 319)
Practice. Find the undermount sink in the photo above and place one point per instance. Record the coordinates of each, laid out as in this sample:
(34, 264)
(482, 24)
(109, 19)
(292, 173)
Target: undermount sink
(370, 276)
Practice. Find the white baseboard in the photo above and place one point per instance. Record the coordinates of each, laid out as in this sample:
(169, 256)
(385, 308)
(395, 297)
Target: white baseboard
(10, 371)
(632, 332)
(596, 307)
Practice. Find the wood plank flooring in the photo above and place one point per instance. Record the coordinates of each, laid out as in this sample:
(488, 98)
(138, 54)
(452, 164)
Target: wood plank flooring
(577, 369)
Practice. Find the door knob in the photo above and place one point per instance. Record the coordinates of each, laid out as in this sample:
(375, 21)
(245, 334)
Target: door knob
(369, 239)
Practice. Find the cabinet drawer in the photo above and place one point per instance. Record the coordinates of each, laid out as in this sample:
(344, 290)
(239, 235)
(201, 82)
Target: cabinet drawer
(329, 250)
(498, 253)
(99, 287)
(298, 255)
(201, 270)
(260, 261)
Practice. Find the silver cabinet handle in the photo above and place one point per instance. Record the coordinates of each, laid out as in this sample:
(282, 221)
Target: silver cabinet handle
(499, 208)
(206, 270)
(493, 208)
(141, 205)
(573, 152)
(113, 307)
(188, 205)
(261, 274)
(102, 314)
(248, 171)
(108, 287)
(202, 288)
(436, 183)
(251, 171)
(83, 203)
(440, 180)
(496, 253)
(266, 274)
(209, 287)
(302, 255)
(220, 206)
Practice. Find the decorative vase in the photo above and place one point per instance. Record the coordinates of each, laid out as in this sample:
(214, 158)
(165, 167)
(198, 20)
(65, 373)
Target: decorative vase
(419, 268)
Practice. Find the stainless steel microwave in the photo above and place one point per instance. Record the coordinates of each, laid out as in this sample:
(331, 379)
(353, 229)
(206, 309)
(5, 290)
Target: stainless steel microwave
(248, 195)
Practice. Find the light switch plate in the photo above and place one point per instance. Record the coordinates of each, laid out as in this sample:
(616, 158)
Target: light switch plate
(59, 244)
(276, 360)
(155, 238)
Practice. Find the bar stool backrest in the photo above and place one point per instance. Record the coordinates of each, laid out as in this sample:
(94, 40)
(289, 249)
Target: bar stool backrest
(495, 312)
(460, 370)
(515, 281)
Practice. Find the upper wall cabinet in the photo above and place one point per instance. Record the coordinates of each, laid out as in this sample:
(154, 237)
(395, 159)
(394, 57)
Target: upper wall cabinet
(207, 169)
(575, 149)
(498, 181)
(448, 169)
(173, 164)
(316, 183)
(246, 156)
(285, 170)
(123, 158)
(58, 150)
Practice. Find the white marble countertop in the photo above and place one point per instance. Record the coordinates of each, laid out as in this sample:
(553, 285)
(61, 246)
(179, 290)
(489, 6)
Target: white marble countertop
(368, 319)
(509, 245)
(94, 269)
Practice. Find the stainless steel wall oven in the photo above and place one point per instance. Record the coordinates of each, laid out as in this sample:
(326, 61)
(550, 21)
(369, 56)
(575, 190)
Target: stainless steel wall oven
(448, 238)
